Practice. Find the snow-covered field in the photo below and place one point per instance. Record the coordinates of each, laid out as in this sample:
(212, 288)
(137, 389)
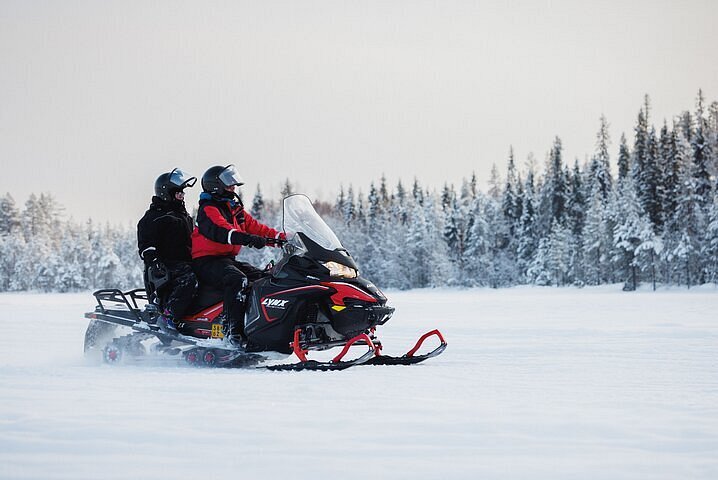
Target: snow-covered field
(536, 383)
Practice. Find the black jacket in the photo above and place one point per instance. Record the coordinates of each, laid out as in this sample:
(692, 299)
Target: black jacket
(165, 232)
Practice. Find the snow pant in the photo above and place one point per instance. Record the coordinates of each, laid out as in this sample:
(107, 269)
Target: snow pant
(234, 279)
(178, 293)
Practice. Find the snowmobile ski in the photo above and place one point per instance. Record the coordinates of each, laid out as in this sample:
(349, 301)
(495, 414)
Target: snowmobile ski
(410, 358)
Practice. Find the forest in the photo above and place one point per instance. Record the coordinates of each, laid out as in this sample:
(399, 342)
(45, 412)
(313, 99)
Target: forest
(642, 212)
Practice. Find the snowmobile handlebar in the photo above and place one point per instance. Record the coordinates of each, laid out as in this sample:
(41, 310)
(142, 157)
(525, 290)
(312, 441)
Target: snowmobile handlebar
(276, 242)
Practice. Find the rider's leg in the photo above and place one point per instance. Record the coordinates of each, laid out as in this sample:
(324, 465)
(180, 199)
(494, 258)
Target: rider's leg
(235, 285)
(183, 289)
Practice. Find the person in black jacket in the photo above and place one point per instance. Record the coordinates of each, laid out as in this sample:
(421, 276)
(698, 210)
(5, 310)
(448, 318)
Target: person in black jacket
(164, 240)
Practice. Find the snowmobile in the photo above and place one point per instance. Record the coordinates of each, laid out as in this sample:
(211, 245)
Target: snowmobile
(312, 299)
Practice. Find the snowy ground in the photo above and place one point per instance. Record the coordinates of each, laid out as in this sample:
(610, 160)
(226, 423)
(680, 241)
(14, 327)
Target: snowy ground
(536, 383)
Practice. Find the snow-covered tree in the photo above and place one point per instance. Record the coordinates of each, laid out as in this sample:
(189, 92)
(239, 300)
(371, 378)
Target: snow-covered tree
(710, 245)
(478, 253)
(528, 235)
(257, 209)
(10, 219)
(600, 178)
(624, 159)
(597, 242)
(628, 234)
(702, 153)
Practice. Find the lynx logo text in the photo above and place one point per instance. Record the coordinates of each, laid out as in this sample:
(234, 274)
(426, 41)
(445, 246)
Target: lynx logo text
(275, 303)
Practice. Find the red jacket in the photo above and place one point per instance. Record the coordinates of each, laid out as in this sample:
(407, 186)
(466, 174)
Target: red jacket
(216, 221)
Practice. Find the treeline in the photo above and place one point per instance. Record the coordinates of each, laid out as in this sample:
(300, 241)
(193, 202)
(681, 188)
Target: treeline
(41, 250)
(649, 213)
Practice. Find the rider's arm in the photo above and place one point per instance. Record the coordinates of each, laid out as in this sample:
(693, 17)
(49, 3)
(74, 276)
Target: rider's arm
(213, 225)
(147, 239)
(255, 228)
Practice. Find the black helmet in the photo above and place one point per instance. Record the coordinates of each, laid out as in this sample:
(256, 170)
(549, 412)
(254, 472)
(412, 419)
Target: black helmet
(168, 184)
(216, 179)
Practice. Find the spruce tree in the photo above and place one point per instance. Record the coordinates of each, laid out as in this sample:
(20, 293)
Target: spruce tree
(383, 194)
(624, 159)
(417, 253)
(287, 189)
(349, 212)
(576, 204)
(510, 202)
(478, 254)
(374, 204)
(528, 238)
(596, 243)
(702, 153)
(417, 193)
(361, 210)
(710, 244)
(600, 169)
(553, 191)
(340, 203)
(684, 231)
(669, 166)
(627, 236)
(10, 219)
(257, 210)
(644, 165)
(557, 182)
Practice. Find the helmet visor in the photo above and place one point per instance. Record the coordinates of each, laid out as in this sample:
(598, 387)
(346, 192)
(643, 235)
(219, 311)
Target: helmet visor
(229, 177)
(181, 179)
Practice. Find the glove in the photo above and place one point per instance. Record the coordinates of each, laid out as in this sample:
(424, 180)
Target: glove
(157, 268)
(157, 274)
(256, 241)
(241, 238)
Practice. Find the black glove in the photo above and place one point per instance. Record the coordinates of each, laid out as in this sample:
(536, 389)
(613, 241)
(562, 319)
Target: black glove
(255, 241)
(157, 274)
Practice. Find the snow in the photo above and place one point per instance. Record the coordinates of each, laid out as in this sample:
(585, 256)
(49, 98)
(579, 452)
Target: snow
(540, 383)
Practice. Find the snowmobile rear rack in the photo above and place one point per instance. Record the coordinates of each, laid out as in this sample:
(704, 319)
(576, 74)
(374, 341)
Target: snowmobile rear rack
(128, 301)
(118, 296)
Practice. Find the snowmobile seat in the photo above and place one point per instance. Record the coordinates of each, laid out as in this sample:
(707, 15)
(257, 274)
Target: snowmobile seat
(206, 297)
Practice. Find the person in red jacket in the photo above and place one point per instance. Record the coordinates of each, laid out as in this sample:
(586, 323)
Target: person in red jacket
(222, 228)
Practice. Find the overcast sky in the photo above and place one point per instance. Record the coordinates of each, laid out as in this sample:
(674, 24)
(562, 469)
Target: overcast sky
(97, 98)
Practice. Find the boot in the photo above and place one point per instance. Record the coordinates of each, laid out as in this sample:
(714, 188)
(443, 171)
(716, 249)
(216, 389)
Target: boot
(166, 323)
(234, 331)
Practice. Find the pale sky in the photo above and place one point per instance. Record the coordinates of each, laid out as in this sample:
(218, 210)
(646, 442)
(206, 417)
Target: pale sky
(97, 98)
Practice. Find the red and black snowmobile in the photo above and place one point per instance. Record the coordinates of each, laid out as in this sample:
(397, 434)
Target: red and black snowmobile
(312, 299)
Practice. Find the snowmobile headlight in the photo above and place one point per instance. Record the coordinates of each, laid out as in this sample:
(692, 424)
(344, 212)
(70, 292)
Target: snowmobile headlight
(339, 270)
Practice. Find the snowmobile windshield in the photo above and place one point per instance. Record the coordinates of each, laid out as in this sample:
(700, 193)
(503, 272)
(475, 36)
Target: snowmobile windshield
(300, 216)
(230, 177)
(181, 179)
